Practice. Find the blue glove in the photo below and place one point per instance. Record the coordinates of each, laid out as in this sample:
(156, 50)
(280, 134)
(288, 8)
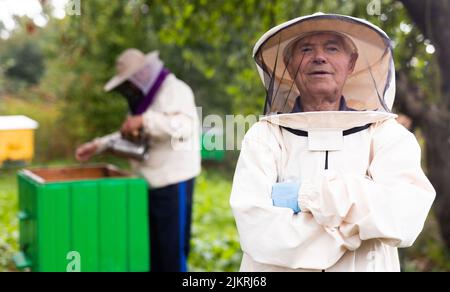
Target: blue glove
(286, 195)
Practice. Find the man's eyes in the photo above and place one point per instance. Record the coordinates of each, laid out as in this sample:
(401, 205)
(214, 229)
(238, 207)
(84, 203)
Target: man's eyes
(332, 49)
(305, 49)
(309, 49)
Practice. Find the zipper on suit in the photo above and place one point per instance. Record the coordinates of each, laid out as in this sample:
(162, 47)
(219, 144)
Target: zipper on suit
(326, 167)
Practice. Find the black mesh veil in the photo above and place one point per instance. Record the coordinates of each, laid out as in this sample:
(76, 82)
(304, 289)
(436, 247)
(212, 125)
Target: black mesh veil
(369, 88)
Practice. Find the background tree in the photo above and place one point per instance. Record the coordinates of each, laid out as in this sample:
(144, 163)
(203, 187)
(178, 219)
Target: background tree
(26, 63)
(21, 58)
(430, 110)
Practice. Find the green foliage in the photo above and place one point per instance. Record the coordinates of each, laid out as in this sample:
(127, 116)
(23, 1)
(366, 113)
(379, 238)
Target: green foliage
(428, 252)
(21, 63)
(84, 51)
(215, 244)
(26, 63)
(206, 43)
(9, 223)
(410, 54)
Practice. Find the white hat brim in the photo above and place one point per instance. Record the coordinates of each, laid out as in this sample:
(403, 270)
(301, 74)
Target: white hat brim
(119, 79)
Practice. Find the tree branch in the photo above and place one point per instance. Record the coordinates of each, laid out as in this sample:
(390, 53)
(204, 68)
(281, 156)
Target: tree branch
(431, 17)
(411, 100)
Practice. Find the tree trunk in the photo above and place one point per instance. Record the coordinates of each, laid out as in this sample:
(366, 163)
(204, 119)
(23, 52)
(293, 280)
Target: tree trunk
(431, 17)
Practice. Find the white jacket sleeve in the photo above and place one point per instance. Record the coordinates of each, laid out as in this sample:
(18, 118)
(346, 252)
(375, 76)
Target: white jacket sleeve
(102, 142)
(273, 235)
(175, 116)
(168, 124)
(391, 203)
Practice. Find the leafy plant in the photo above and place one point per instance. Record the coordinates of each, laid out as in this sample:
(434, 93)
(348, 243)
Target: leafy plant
(8, 220)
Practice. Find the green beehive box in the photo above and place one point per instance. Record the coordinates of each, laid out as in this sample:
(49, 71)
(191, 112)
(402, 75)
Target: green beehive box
(97, 213)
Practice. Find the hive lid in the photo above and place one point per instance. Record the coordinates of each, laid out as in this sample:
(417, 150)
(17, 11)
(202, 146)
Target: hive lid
(17, 123)
(74, 173)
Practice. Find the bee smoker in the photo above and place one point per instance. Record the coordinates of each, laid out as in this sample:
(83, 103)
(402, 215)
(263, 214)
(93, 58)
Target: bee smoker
(135, 147)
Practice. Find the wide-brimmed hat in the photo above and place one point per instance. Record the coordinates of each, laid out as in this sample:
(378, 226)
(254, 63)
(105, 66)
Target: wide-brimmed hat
(371, 86)
(129, 63)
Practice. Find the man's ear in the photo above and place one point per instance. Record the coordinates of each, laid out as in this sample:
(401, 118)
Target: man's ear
(352, 63)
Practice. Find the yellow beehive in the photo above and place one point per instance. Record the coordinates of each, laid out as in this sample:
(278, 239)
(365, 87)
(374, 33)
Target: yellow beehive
(17, 138)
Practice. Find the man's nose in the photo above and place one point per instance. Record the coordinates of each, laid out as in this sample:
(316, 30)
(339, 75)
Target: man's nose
(319, 57)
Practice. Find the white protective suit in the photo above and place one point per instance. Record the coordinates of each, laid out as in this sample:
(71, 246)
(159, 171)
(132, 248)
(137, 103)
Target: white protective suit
(363, 193)
(172, 115)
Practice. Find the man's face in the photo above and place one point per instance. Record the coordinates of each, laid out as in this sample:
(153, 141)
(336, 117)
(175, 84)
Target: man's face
(131, 92)
(320, 64)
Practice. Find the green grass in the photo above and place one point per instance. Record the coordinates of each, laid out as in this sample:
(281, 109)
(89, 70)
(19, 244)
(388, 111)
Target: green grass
(8, 221)
(215, 244)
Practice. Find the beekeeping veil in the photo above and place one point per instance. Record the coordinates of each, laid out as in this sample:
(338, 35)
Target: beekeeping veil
(368, 91)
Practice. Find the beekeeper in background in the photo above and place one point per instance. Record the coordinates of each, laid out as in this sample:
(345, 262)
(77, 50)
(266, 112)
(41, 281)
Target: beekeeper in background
(328, 180)
(162, 109)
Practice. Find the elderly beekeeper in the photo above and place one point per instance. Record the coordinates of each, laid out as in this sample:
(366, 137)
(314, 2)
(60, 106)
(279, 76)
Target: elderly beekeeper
(328, 180)
(164, 117)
